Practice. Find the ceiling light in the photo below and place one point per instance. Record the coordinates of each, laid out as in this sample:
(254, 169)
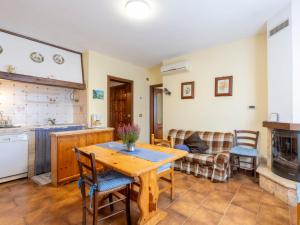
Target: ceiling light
(137, 9)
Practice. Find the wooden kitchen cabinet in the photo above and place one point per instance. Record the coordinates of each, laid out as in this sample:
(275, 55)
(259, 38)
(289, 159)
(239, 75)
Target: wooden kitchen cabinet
(93, 138)
(64, 166)
(38, 62)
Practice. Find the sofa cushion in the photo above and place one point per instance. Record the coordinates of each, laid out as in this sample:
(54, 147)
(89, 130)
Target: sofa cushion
(112, 179)
(218, 142)
(178, 135)
(195, 144)
(201, 159)
(238, 150)
(182, 147)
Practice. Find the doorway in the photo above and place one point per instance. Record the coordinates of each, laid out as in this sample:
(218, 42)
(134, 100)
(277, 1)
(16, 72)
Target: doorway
(119, 102)
(156, 110)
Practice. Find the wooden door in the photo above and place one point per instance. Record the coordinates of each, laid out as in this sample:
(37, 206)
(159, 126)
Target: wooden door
(158, 113)
(120, 106)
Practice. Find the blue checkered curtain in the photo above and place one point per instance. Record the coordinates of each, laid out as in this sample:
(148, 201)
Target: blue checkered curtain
(43, 147)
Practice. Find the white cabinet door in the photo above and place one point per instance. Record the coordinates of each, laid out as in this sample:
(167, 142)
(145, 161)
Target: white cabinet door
(70, 70)
(51, 62)
(14, 156)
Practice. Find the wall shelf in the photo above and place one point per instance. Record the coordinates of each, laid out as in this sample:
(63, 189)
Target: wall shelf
(282, 126)
(40, 80)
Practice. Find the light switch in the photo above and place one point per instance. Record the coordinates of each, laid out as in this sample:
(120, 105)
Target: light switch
(140, 115)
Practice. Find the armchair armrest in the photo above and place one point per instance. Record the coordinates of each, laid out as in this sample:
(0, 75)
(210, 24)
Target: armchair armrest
(221, 160)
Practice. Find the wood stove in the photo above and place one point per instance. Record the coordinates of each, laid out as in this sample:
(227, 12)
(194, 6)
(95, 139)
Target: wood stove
(285, 153)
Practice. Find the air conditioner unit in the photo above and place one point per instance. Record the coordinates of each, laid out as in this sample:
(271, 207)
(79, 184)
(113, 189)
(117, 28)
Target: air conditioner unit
(175, 68)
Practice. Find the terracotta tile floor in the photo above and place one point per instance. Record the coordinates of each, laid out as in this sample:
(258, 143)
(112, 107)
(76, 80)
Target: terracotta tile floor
(198, 201)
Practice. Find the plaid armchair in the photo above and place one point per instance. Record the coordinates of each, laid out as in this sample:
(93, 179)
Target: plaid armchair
(214, 163)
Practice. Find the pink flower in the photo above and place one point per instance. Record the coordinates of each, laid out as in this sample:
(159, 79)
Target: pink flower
(129, 133)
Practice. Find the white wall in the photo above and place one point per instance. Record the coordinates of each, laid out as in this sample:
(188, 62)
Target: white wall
(284, 65)
(295, 12)
(246, 61)
(280, 70)
(97, 67)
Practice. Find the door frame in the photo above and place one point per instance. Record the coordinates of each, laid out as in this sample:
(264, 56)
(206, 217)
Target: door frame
(122, 80)
(152, 87)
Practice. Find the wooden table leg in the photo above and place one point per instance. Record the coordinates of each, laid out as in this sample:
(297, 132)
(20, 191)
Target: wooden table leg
(298, 214)
(147, 200)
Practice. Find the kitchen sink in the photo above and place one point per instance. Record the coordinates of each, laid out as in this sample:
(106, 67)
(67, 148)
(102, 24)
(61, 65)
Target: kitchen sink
(58, 125)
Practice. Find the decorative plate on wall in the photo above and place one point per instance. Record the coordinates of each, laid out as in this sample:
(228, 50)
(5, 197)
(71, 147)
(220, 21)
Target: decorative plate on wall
(58, 59)
(37, 57)
(1, 49)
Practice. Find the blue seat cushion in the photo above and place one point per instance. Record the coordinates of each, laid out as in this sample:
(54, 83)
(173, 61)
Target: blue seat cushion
(164, 168)
(182, 147)
(298, 192)
(244, 151)
(111, 179)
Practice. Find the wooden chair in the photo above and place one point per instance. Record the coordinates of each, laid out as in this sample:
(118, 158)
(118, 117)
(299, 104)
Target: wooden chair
(245, 146)
(166, 170)
(102, 186)
(162, 142)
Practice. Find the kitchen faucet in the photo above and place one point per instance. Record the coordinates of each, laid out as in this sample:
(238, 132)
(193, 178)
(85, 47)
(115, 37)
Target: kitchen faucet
(52, 121)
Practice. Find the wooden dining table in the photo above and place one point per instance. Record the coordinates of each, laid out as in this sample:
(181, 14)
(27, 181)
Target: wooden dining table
(145, 171)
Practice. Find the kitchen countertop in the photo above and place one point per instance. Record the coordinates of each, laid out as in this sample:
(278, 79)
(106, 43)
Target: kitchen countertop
(23, 129)
(86, 131)
(16, 130)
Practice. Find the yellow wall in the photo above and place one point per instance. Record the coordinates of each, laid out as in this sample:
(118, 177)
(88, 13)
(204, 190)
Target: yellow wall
(246, 61)
(97, 67)
(154, 75)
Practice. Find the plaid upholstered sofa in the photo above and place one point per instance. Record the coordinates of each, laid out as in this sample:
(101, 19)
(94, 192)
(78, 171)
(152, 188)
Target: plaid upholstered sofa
(214, 163)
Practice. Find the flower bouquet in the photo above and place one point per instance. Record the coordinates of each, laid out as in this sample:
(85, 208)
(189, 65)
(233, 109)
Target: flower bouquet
(129, 135)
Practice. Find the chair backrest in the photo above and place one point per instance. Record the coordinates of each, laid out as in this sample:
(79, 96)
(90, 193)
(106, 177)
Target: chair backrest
(246, 138)
(161, 142)
(87, 167)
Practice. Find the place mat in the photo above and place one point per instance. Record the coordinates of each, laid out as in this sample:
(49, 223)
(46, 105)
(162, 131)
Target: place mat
(146, 154)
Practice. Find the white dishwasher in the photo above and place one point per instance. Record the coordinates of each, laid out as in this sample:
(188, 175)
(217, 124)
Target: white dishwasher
(13, 156)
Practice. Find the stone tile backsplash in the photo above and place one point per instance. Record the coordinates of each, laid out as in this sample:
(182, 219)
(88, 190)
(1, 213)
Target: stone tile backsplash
(30, 104)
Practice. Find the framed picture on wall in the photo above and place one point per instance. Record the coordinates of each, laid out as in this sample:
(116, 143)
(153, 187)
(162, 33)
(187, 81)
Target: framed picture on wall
(223, 86)
(98, 94)
(187, 90)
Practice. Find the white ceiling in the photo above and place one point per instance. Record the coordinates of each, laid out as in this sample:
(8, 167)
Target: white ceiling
(176, 26)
